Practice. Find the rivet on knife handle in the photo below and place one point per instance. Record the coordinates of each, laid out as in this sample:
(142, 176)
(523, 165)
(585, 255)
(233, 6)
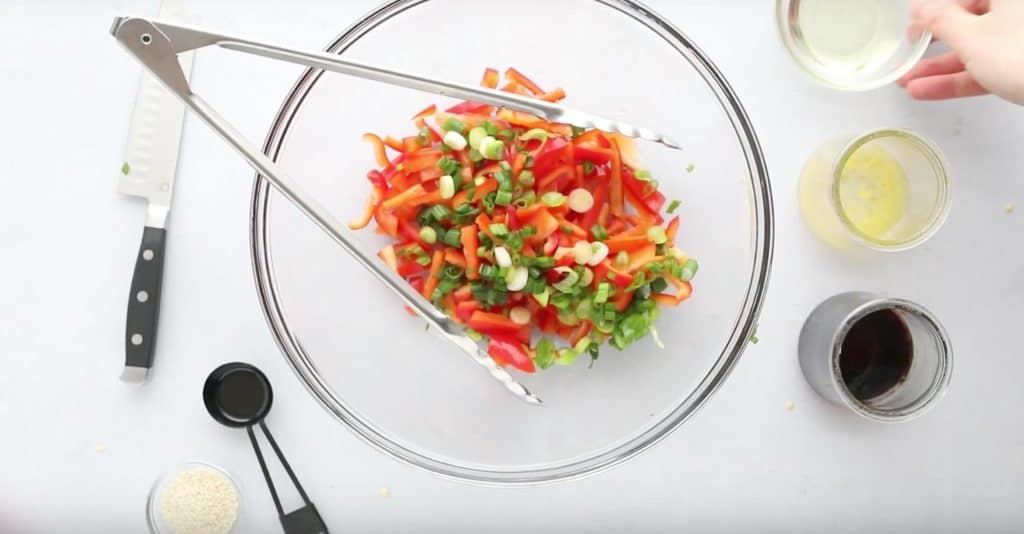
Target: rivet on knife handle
(144, 305)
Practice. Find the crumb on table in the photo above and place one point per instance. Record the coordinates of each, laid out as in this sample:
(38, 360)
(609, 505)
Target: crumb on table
(384, 492)
(790, 405)
(100, 449)
(1008, 208)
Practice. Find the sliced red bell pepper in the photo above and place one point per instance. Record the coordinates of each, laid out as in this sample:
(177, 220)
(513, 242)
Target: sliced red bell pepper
(508, 351)
(427, 111)
(592, 153)
(403, 197)
(672, 229)
(423, 159)
(455, 257)
(463, 293)
(377, 179)
(557, 179)
(408, 268)
(371, 206)
(664, 299)
(470, 242)
(642, 256)
(409, 230)
(615, 196)
(545, 223)
(621, 300)
(618, 278)
(467, 108)
(492, 323)
(590, 218)
(387, 254)
(627, 243)
(551, 244)
(556, 152)
(464, 310)
(386, 221)
(553, 95)
(434, 276)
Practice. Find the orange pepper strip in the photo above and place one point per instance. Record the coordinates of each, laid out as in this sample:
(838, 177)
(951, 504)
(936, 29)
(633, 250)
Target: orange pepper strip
(433, 278)
(545, 223)
(641, 256)
(602, 218)
(403, 197)
(518, 164)
(553, 95)
(378, 149)
(582, 332)
(455, 258)
(466, 164)
(490, 79)
(518, 77)
(616, 226)
(470, 242)
(394, 144)
(462, 197)
(664, 299)
(683, 289)
(513, 87)
(433, 197)
(388, 255)
(529, 211)
(616, 197)
(576, 230)
(672, 229)
(371, 205)
(627, 243)
(428, 111)
(465, 292)
(483, 222)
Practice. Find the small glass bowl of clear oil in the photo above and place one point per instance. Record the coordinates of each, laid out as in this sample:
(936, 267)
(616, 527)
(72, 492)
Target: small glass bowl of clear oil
(852, 45)
(886, 189)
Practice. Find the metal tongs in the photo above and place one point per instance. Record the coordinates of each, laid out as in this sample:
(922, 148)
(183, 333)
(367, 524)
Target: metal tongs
(157, 45)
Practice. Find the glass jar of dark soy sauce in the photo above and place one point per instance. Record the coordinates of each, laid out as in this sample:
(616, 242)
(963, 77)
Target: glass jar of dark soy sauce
(886, 359)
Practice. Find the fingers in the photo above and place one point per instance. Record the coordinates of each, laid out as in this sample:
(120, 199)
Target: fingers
(948, 20)
(943, 86)
(948, 63)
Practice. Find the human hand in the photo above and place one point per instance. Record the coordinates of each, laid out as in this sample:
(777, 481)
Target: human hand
(987, 41)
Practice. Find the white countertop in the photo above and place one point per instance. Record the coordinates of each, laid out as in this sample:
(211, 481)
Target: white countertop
(81, 449)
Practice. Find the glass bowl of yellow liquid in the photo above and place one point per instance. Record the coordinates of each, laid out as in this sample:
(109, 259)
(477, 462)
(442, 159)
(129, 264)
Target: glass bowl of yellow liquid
(852, 45)
(886, 189)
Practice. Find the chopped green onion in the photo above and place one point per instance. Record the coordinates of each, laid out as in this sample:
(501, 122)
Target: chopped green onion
(452, 272)
(440, 212)
(507, 134)
(481, 251)
(599, 232)
(567, 356)
(658, 285)
(453, 125)
(529, 198)
(639, 279)
(689, 270)
(656, 235)
(583, 308)
(673, 206)
(125, 169)
(643, 176)
(491, 148)
(577, 131)
(473, 334)
(542, 297)
(503, 198)
(545, 355)
(553, 199)
(498, 229)
(526, 178)
(423, 138)
(489, 128)
(475, 136)
(475, 155)
(560, 300)
(588, 166)
(453, 238)
(565, 285)
(689, 168)
(544, 262)
(448, 165)
(609, 315)
(602, 293)
(454, 140)
(587, 277)
(622, 258)
(428, 235)
(423, 260)
(536, 134)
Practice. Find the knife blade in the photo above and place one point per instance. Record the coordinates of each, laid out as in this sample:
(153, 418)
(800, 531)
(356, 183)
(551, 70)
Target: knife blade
(150, 163)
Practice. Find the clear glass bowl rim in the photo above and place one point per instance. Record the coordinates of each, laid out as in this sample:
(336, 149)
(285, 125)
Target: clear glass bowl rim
(763, 243)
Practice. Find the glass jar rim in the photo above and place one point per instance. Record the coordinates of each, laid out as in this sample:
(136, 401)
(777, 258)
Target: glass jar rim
(940, 170)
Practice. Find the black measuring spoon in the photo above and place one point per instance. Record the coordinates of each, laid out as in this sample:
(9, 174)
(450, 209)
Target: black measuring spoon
(239, 395)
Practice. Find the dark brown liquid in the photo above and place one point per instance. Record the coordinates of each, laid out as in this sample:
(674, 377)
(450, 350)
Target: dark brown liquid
(241, 395)
(876, 354)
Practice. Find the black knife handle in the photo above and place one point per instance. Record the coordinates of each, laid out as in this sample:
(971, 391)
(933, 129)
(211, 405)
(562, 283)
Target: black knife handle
(144, 299)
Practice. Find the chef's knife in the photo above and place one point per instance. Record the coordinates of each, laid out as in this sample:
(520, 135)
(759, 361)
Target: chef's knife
(151, 158)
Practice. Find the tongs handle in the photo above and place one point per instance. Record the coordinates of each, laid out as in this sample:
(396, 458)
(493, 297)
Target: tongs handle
(156, 46)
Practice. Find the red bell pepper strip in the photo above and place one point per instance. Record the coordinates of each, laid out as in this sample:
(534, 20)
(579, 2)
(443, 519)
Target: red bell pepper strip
(386, 221)
(553, 95)
(627, 243)
(592, 153)
(615, 196)
(470, 242)
(455, 258)
(371, 206)
(664, 299)
(427, 111)
(463, 293)
(466, 108)
(618, 278)
(408, 268)
(464, 310)
(642, 256)
(556, 152)
(507, 351)
(683, 289)
(545, 223)
(492, 323)
(423, 159)
(378, 179)
(621, 300)
(410, 231)
(581, 332)
(557, 179)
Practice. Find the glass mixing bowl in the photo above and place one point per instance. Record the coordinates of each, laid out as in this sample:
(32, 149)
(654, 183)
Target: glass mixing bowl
(408, 392)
